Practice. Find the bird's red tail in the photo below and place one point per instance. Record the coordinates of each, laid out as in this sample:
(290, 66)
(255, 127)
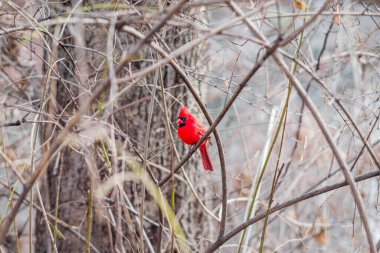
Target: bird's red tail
(207, 165)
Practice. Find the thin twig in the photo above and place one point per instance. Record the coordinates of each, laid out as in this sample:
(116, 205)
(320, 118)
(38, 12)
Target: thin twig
(354, 159)
(167, 125)
(225, 109)
(190, 86)
(336, 100)
(60, 222)
(309, 103)
(46, 158)
(281, 206)
(264, 159)
(145, 157)
(346, 171)
(324, 44)
(16, 123)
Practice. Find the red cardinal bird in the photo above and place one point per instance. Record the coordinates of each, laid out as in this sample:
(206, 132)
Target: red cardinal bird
(190, 130)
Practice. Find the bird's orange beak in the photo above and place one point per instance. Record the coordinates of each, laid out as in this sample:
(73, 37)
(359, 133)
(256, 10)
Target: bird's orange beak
(179, 121)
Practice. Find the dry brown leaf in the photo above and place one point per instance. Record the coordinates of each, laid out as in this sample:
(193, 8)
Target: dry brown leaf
(242, 182)
(321, 237)
(244, 192)
(300, 4)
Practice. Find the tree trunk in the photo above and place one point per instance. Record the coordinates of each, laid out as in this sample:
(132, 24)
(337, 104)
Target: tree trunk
(77, 172)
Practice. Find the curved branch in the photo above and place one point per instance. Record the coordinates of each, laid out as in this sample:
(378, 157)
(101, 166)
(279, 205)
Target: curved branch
(333, 99)
(60, 140)
(281, 206)
(346, 171)
(189, 85)
(313, 109)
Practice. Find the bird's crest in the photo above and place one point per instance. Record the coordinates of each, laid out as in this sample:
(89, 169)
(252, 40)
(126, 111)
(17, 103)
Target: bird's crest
(184, 112)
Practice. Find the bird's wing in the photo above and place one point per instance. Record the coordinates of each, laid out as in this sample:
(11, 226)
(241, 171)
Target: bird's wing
(202, 130)
(200, 127)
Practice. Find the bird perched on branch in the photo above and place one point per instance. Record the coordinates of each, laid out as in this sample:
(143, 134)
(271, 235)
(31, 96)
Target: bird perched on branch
(191, 130)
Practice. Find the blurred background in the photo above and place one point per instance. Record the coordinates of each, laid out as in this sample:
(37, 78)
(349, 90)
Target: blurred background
(53, 56)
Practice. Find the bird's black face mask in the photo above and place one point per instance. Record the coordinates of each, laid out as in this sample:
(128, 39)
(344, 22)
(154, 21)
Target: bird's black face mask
(181, 121)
